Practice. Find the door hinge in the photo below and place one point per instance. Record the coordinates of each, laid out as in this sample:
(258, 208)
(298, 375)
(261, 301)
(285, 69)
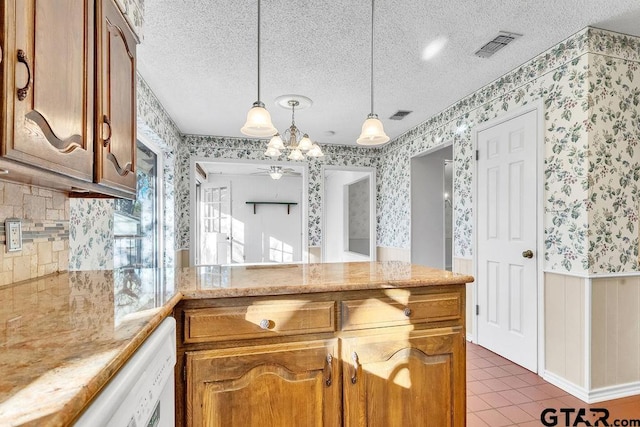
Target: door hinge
(184, 372)
(477, 154)
(477, 310)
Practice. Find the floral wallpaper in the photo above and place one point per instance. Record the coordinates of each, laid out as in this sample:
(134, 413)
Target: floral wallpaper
(580, 233)
(91, 234)
(133, 11)
(613, 160)
(154, 125)
(247, 149)
(588, 86)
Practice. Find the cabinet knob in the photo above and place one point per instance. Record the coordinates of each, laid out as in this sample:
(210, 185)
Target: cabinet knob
(265, 323)
(23, 91)
(407, 311)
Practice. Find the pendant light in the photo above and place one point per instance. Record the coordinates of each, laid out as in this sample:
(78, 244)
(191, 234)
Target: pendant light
(258, 119)
(372, 129)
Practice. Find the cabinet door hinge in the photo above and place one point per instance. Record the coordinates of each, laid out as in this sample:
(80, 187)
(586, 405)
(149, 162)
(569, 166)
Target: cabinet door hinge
(477, 154)
(477, 310)
(184, 372)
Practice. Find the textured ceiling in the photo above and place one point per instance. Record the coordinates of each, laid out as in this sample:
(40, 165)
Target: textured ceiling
(199, 57)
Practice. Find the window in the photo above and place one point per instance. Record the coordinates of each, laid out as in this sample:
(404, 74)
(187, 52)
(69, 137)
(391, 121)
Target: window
(137, 224)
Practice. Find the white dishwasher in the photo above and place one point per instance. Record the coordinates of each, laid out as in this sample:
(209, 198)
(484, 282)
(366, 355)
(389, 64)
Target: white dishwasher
(142, 393)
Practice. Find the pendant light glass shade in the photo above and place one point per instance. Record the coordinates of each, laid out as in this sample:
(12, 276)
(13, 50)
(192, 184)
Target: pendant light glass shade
(258, 122)
(315, 151)
(296, 155)
(305, 143)
(372, 132)
(276, 142)
(272, 152)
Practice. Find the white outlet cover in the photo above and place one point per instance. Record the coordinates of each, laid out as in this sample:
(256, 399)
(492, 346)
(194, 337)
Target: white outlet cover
(13, 233)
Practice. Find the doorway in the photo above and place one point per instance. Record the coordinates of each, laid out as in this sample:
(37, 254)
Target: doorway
(348, 214)
(432, 208)
(507, 228)
(248, 212)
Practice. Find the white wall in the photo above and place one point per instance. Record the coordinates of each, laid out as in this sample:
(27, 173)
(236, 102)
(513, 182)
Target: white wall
(427, 208)
(336, 217)
(270, 224)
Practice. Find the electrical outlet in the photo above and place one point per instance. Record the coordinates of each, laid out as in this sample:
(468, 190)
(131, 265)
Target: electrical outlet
(13, 234)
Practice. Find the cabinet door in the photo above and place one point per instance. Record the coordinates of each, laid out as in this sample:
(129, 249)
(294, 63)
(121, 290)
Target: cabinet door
(48, 83)
(413, 380)
(292, 384)
(116, 132)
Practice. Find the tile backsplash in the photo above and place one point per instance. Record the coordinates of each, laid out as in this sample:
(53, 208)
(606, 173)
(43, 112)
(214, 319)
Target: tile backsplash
(45, 232)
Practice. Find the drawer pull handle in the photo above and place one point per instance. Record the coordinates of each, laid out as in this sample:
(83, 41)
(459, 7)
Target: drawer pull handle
(354, 368)
(329, 370)
(407, 311)
(107, 122)
(22, 91)
(265, 323)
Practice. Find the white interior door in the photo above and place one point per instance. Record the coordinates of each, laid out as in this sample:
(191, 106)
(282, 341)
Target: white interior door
(506, 231)
(214, 239)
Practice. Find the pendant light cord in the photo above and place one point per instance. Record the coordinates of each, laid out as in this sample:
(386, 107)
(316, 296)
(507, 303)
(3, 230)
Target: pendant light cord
(372, 41)
(258, 50)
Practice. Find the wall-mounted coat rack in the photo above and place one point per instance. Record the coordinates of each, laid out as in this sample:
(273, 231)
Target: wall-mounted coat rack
(289, 204)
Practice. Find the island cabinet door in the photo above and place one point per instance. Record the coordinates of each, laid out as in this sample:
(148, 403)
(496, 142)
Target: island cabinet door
(292, 384)
(48, 79)
(405, 379)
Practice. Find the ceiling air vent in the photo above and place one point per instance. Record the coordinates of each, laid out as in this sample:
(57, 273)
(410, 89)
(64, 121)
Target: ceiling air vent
(501, 40)
(400, 114)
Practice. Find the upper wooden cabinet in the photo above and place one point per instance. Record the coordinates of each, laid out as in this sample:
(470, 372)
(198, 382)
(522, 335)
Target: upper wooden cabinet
(48, 73)
(68, 86)
(116, 106)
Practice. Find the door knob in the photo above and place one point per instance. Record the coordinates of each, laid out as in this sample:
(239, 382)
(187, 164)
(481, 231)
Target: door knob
(527, 254)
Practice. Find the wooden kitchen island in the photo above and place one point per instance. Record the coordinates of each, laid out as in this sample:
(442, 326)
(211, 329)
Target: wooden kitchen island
(353, 344)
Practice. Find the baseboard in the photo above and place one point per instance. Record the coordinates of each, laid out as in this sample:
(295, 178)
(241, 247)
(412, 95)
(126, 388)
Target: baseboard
(614, 392)
(596, 395)
(566, 385)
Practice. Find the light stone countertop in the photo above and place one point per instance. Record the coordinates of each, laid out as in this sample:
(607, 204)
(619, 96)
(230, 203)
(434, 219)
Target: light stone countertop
(62, 337)
(283, 279)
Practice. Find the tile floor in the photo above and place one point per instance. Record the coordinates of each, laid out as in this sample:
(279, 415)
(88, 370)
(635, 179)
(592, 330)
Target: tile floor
(501, 393)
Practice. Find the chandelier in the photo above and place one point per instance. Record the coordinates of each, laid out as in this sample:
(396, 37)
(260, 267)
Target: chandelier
(296, 141)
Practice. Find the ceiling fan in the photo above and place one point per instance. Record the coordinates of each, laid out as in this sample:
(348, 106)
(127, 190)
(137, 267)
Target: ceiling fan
(276, 172)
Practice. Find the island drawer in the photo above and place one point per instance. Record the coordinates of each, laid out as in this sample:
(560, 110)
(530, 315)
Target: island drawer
(257, 320)
(382, 312)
